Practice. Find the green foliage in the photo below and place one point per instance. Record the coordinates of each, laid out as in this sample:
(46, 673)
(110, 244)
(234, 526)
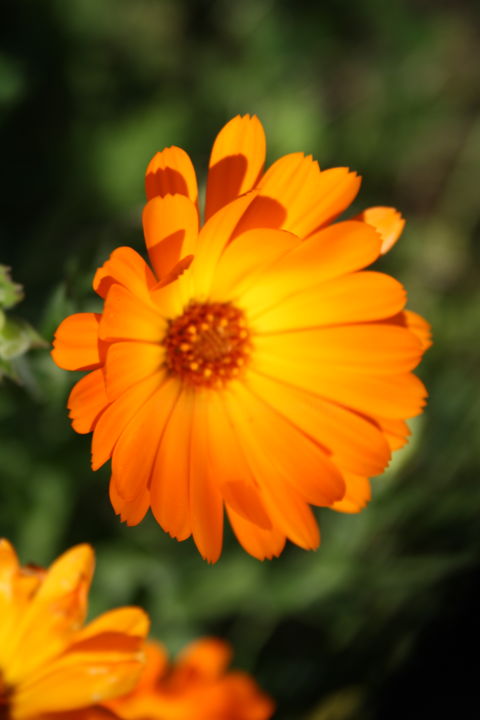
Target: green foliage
(16, 335)
(89, 91)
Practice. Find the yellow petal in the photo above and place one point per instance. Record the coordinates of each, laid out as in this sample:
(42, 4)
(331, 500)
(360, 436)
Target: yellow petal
(213, 239)
(328, 254)
(244, 259)
(54, 614)
(357, 297)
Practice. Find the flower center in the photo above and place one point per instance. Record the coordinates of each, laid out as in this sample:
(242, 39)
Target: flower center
(208, 344)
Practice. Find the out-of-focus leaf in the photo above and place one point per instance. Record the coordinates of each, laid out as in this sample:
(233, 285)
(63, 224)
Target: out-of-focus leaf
(343, 705)
(16, 338)
(10, 292)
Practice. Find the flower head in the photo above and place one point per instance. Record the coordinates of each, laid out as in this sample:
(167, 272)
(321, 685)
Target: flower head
(197, 686)
(50, 665)
(255, 365)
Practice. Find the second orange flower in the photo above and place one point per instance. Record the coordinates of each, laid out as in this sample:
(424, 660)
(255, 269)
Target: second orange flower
(254, 366)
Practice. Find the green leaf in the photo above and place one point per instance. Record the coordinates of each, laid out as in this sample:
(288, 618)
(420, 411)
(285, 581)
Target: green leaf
(10, 293)
(16, 337)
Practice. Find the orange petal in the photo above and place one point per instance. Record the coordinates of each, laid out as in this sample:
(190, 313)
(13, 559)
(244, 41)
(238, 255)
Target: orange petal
(125, 267)
(125, 317)
(387, 221)
(87, 400)
(365, 348)
(136, 448)
(289, 512)
(246, 501)
(209, 657)
(127, 363)
(392, 396)
(357, 297)
(170, 172)
(356, 444)
(156, 666)
(75, 346)
(328, 254)
(170, 489)
(213, 239)
(245, 258)
(420, 327)
(262, 544)
(396, 432)
(206, 505)
(293, 457)
(357, 495)
(236, 161)
(170, 225)
(228, 465)
(117, 416)
(177, 270)
(295, 196)
(131, 512)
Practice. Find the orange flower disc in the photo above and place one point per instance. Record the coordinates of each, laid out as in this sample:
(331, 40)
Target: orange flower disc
(207, 345)
(254, 365)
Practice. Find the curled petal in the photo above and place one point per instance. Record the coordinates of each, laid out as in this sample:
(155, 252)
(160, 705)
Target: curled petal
(387, 221)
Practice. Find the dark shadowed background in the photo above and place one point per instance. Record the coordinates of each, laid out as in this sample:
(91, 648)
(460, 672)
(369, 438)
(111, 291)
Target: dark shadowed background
(379, 622)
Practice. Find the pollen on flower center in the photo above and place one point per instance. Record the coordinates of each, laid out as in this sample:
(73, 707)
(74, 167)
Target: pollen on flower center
(208, 344)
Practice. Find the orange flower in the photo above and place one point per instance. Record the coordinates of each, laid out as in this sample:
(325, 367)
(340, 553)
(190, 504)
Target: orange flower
(196, 687)
(50, 666)
(258, 367)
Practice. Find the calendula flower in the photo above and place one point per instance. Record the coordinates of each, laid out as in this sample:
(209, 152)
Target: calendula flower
(197, 686)
(256, 366)
(51, 667)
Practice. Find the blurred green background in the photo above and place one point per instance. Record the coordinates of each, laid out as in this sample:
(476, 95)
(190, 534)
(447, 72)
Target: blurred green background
(379, 622)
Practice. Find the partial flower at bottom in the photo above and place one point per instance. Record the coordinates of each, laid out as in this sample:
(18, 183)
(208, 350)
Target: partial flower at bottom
(255, 366)
(52, 667)
(198, 686)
